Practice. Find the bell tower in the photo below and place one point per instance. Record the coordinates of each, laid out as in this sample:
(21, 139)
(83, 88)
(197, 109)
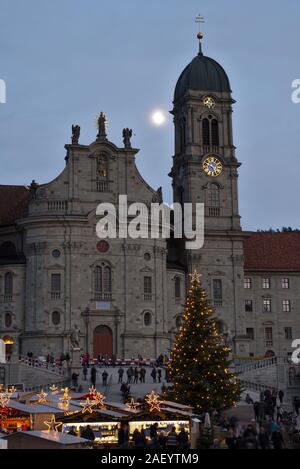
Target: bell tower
(205, 170)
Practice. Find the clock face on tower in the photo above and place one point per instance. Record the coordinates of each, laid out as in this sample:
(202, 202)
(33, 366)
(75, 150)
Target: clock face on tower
(212, 166)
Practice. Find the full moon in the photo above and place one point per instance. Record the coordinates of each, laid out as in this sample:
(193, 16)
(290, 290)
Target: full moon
(158, 117)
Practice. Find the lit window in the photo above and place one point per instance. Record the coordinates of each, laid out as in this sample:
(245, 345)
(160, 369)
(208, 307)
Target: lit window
(266, 306)
(285, 283)
(266, 283)
(247, 283)
(286, 306)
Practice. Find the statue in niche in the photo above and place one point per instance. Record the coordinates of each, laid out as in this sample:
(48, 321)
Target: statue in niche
(75, 134)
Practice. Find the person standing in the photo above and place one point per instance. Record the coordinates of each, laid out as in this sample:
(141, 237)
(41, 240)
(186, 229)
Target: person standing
(104, 378)
(129, 375)
(153, 374)
(120, 373)
(159, 375)
(263, 438)
(136, 375)
(93, 376)
(277, 439)
(172, 442)
(143, 374)
(183, 439)
(84, 371)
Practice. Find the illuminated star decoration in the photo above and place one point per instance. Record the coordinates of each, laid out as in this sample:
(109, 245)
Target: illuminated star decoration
(98, 399)
(87, 405)
(65, 399)
(195, 277)
(53, 425)
(42, 397)
(92, 390)
(132, 405)
(4, 400)
(153, 402)
(53, 388)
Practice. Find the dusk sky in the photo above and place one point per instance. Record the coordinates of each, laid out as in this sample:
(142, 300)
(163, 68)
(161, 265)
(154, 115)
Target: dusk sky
(64, 61)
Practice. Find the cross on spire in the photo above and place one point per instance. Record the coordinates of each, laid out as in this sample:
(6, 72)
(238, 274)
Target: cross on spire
(200, 20)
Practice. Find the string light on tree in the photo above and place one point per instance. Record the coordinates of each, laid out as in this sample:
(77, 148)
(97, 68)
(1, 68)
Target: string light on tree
(199, 366)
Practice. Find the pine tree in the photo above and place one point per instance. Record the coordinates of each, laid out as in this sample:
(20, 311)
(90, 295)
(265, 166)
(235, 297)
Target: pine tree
(199, 366)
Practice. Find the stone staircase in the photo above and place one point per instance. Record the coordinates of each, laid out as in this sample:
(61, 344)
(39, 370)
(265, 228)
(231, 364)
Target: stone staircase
(259, 374)
(34, 374)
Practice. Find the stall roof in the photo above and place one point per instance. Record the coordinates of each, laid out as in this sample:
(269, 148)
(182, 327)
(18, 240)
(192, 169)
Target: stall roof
(33, 409)
(176, 411)
(58, 437)
(176, 405)
(122, 407)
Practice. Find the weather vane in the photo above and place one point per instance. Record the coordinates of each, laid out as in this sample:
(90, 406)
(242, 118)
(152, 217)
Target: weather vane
(200, 20)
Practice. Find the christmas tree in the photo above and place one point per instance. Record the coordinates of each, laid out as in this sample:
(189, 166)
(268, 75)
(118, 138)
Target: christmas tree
(199, 366)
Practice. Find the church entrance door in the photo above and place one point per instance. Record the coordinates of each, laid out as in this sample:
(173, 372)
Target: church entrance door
(103, 342)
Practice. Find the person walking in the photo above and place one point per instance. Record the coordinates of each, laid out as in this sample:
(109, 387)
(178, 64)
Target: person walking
(153, 374)
(281, 396)
(104, 378)
(159, 375)
(120, 373)
(93, 376)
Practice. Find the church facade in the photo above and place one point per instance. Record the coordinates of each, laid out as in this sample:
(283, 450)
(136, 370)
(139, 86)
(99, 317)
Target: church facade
(125, 297)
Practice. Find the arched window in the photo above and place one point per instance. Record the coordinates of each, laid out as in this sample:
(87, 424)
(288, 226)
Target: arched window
(213, 195)
(205, 132)
(210, 131)
(215, 133)
(182, 135)
(8, 320)
(102, 282)
(8, 249)
(102, 183)
(8, 286)
(177, 286)
(55, 318)
(147, 319)
(178, 321)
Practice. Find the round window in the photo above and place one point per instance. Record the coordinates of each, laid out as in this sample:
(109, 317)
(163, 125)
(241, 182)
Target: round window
(102, 246)
(56, 318)
(56, 253)
(8, 320)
